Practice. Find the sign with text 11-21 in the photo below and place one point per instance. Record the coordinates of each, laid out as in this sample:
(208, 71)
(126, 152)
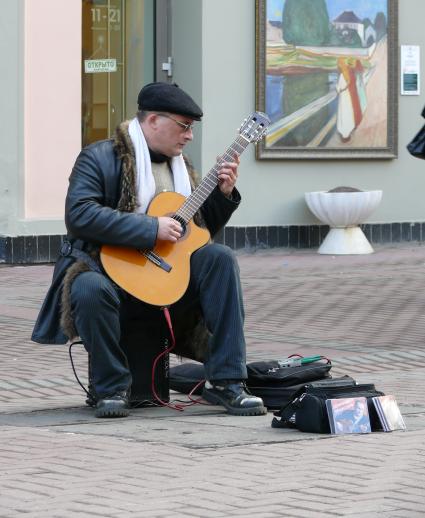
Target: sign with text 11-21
(410, 72)
(94, 66)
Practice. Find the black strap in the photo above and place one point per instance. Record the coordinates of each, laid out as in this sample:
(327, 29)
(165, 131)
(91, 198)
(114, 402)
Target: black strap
(279, 423)
(285, 416)
(69, 249)
(83, 256)
(289, 410)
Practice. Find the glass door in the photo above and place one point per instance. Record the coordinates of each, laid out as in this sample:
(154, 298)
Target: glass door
(117, 59)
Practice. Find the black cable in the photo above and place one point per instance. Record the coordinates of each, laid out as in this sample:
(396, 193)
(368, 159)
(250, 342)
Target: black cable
(75, 372)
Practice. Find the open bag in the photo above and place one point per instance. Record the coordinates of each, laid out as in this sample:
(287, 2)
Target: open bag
(307, 411)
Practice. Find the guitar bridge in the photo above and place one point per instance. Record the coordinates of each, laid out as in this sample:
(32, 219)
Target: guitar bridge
(156, 259)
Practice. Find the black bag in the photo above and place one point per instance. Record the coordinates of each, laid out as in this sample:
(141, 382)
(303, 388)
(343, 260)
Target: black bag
(307, 412)
(276, 385)
(417, 146)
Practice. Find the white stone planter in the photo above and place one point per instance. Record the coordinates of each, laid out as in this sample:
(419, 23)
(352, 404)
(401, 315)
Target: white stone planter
(344, 212)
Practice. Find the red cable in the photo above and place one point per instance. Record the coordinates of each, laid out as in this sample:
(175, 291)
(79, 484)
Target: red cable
(196, 401)
(178, 407)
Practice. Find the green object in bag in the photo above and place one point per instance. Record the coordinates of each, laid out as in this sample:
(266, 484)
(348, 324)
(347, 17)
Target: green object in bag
(296, 362)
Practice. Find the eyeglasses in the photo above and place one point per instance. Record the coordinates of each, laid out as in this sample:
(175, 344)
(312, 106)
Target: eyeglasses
(186, 127)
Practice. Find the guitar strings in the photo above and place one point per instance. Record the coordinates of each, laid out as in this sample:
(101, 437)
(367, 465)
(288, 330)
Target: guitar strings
(205, 188)
(200, 194)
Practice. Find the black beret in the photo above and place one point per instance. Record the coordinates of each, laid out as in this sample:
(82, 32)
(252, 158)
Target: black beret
(166, 97)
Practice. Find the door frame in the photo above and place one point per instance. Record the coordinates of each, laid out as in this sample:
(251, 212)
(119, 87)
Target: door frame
(163, 47)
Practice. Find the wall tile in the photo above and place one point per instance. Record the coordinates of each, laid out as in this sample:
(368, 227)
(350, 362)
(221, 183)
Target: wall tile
(273, 237)
(283, 237)
(39, 249)
(395, 232)
(30, 249)
(251, 237)
(262, 237)
(240, 240)
(294, 240)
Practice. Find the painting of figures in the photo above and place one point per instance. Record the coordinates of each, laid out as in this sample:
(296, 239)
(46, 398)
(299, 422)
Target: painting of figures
(327, 78)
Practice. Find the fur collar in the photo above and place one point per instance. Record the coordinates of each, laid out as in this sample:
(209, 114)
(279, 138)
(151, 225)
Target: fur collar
(124, 150)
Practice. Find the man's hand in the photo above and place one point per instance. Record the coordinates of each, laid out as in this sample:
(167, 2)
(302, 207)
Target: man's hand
(227, 175)
(169, 229)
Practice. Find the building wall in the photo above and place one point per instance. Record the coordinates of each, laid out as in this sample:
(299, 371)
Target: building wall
(52, 103)
(273, 190)
(213, 46)
(11, 124)
(187, 51)
(41, 102)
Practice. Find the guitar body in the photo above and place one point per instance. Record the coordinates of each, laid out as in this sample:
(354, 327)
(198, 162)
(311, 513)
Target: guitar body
(161, 276)
(144, 279)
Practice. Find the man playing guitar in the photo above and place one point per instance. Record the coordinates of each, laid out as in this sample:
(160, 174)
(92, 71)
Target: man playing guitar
(110, 190)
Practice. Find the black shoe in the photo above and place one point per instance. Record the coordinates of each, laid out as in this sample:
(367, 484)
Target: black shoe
(113, 406)
(231, 394)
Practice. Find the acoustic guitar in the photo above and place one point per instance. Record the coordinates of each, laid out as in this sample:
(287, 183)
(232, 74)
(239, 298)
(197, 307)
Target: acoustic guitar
(161, 276)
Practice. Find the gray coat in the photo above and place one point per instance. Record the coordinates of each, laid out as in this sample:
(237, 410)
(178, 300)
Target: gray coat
(99, 209)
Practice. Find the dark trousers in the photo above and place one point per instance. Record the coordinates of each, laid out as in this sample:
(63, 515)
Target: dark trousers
(98, 307)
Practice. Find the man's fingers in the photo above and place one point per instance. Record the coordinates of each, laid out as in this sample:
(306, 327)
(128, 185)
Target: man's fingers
(228, 172)
(177, 228)
(169, 229)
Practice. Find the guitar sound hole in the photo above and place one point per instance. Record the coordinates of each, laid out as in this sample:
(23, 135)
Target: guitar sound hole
(182, 223)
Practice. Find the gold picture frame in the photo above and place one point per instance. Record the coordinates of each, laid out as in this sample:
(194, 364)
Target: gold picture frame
(327, 76)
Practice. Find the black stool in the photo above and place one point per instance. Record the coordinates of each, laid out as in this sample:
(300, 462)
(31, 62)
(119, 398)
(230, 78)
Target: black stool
(142, 342)
(144, 336)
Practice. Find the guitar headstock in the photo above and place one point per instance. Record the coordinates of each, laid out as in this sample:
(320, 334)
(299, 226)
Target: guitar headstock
(255, 127)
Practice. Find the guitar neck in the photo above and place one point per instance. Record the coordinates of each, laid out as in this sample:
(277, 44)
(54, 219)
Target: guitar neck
(210, 181)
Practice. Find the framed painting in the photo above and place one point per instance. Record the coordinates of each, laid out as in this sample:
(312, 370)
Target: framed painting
(327, 76)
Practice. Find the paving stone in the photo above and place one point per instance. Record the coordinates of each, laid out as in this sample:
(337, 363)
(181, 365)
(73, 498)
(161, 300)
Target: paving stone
(365, 313)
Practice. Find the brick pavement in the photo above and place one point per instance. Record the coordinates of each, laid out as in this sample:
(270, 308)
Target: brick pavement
(364, 312)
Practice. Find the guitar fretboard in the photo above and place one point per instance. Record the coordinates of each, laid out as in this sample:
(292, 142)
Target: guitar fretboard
(209, 182)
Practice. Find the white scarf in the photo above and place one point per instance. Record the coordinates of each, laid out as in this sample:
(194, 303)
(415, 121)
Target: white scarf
(145, 182)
